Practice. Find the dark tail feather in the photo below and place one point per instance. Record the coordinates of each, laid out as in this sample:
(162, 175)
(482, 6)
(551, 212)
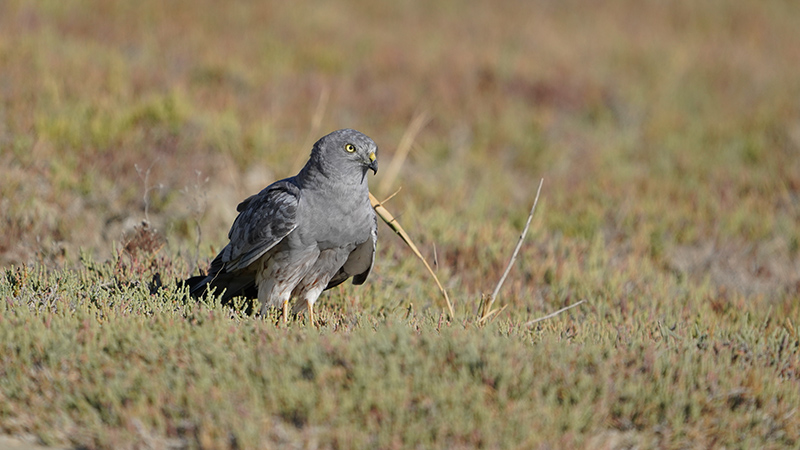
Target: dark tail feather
(197, 285)
(234, 285)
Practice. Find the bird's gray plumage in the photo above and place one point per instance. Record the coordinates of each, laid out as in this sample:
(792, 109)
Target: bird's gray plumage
(304, 234)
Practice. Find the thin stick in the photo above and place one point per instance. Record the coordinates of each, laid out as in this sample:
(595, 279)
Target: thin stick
(316, 119)
(316, 122)
(551, 315)
(492, 313)
(147, 187)
(488, 305)
(394, 225)
(391, 196)
(416, 125)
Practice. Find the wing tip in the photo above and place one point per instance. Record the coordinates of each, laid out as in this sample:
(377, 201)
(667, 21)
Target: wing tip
(360, 278)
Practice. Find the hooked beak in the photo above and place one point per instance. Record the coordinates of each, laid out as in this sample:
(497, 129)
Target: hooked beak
(373, 162)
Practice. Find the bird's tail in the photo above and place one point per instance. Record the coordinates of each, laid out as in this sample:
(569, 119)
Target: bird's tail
(197, 285)
(228, 284)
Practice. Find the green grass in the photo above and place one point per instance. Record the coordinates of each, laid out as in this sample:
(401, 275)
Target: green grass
(105, 364)
(668, 135)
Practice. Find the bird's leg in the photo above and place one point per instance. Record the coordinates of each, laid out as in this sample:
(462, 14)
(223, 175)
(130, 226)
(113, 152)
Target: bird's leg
(285, 311)
(311, 314)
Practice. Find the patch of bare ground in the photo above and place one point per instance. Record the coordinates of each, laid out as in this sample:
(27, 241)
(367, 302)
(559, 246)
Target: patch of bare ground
(755, 269)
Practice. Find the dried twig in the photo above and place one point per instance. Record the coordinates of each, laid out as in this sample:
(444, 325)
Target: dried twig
(551, 315)
(403, 148)
(387, 217)
(386, 200)
(316, 119)
(316, 122)
(492, 313)
(486, 308)
(144, 175)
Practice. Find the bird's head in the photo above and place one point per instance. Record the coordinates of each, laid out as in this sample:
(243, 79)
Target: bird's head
(347, 151)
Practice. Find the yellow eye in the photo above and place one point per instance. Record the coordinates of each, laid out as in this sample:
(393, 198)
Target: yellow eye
(350, 148)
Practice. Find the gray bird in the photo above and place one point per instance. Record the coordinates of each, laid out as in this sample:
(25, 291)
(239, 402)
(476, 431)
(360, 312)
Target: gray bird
(304, 234)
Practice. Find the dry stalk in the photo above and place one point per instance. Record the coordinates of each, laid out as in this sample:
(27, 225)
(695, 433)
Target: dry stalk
(486, 304)
(416, 125)
(386, 200)
(316, 122)
(551, 315)
(144, 175)
(491, 313)
(387, 217)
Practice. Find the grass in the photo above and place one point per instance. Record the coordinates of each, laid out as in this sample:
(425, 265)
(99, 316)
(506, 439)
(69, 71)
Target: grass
(112, 365)
(668, 135)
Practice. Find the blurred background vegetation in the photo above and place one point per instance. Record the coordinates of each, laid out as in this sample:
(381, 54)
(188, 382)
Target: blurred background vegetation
(667, 132)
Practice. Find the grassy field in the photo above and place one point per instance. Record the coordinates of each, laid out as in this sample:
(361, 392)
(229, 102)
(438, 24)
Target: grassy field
(668, 136)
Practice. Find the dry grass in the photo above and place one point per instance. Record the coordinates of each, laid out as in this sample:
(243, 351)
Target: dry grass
(390, 220)
(485, 307)
(669, 134)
